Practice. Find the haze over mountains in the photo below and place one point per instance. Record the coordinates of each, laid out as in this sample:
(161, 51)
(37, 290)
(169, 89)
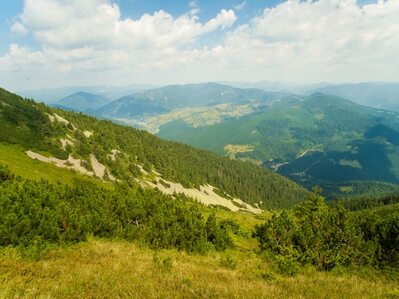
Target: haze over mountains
(383, 95)
(82, 101)
(53, 95)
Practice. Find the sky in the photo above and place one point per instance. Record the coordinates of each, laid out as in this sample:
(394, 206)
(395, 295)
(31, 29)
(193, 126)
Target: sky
(55, 43)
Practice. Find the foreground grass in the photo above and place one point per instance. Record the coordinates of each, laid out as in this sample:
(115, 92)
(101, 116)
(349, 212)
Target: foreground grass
(115, 269)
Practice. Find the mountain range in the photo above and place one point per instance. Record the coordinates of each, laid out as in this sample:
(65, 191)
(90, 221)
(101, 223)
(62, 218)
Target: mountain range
(53, 95)
(316, 139)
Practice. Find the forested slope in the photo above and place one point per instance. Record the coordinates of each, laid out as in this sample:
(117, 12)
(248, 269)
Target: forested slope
(39, 128)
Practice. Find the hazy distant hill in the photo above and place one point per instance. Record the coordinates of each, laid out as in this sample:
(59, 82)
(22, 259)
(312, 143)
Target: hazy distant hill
(171, 97)
(55, 94)
(374, 94)
(82, 101)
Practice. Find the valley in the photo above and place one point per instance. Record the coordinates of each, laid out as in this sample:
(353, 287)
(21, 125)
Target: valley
(318, 139)
(348, 149)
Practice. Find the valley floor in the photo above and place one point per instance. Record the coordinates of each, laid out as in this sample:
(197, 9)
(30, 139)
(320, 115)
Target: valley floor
(119, 269)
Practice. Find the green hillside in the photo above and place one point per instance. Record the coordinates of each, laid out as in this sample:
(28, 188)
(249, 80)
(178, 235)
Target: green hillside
(40, 129)
(319, 139)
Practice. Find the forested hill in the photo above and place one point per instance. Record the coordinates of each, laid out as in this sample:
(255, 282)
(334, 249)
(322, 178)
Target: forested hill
(127, 153)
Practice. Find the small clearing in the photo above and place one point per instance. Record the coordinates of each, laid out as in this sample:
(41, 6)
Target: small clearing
(234, 149)
(350, 163)
(113, 154)
(99, 169)
(51, 117)
(87, 134)
(55, 117)
(74, 164)
(66, 141)
(305, 152)
(71, 163)
(61, 119)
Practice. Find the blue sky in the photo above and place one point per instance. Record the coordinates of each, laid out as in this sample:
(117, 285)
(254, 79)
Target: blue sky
(49, 43)
(10, 9)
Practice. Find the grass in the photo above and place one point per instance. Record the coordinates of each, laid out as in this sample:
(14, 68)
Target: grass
(115, 269)
(20, 164)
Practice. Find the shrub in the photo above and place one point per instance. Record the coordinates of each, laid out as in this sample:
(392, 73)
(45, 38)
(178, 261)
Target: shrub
(327, 237)
(58, 213)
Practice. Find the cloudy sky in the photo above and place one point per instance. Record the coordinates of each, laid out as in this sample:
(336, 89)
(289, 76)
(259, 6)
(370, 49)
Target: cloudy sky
(53, 43)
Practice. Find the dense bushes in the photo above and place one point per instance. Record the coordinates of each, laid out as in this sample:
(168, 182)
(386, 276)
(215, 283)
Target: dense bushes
(34, 211)
(365, 202)
(326, 237)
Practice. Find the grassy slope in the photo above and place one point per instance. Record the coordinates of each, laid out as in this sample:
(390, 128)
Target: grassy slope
(113, 269)
(20, 164)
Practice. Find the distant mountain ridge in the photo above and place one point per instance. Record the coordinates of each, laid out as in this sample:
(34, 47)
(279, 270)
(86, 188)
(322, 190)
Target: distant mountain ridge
(82, 101)
(171, 97)
(381, 95)
(53, 95)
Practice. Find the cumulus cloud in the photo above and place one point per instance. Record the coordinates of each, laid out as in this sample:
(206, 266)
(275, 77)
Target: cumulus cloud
(335, 40)
(321, 40)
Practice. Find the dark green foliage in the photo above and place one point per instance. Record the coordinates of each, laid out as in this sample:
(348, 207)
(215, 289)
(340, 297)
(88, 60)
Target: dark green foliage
(39, 212)
(24, 122)
(5, 174)
(230, 225)
(327, 237)
(361, 203)
(383, 232)
(217, 234)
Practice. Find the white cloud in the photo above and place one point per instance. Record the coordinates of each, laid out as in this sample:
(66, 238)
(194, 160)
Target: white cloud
(194, 8)
(98, 23)
(240, 6)
(18, 28)
(321, 40)
(325, 40)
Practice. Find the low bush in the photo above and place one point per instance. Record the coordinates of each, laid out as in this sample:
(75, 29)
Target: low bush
(327, 237)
